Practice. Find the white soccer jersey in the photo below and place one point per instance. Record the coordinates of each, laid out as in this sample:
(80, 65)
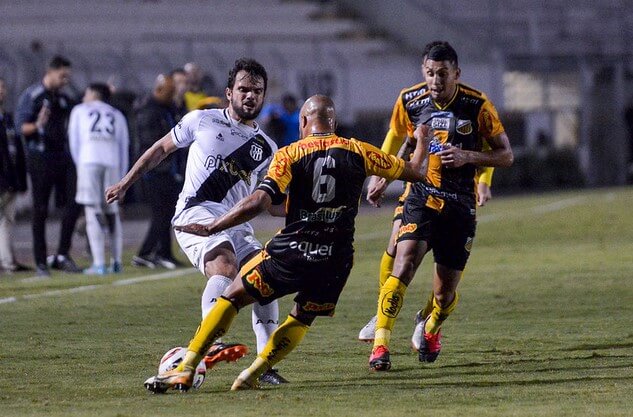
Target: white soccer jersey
(226, 159)
(98, 134)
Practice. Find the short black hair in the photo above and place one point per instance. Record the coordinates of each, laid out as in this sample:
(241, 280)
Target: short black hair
(102, 90)
(58, 62)
(443, 52)
(252, 67)
(177, 71)
(431, 45)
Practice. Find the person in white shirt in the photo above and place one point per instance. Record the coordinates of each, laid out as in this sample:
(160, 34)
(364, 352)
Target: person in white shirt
(99, 142)
(228, 156)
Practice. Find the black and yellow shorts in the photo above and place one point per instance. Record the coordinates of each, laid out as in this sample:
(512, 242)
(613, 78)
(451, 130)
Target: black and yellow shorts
(318, 289)
(449, 233)
(397, 213)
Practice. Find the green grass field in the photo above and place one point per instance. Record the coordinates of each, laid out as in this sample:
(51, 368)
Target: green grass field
(544, 328)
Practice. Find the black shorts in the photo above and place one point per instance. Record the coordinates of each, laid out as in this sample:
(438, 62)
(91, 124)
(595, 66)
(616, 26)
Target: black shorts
(318, 290)
(397, 213)
(449, 233)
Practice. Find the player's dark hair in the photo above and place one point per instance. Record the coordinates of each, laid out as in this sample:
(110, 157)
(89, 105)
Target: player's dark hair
(431, 45)
(443, 52)
(58, 62)
(253, 68)
(177, 71)
(102, 90)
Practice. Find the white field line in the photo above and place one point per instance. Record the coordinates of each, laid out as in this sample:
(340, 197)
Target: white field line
(546, 208)
(84, 288)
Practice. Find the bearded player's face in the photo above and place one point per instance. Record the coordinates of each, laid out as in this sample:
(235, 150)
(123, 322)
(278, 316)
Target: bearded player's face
(247, 96)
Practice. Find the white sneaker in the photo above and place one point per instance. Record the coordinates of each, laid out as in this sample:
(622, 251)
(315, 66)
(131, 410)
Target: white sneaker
(418, 331)
(367, 333)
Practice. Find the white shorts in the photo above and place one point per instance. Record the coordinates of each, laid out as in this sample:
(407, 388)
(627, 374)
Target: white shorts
(92, 180)
(196, 247)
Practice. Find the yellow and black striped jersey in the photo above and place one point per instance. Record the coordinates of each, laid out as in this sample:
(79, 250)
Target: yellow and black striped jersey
(467, 121)
(323, 176)
(404, 119)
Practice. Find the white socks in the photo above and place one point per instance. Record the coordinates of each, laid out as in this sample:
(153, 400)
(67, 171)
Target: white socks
(265, 322)
(95, 229)
(214, 289)
(116, 236)
(265, 318)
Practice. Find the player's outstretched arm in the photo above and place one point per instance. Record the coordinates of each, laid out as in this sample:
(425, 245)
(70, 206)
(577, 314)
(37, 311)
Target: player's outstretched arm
(415, 169)
(243, 211)
(377, 185)
(152, 157)
(499, 155)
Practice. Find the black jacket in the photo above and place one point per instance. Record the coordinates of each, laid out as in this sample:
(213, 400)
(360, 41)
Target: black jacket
(12, 162)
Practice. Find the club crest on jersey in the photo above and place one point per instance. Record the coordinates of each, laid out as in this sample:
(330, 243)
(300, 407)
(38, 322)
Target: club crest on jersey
(381, 161)
(464, 127)
(257, 152)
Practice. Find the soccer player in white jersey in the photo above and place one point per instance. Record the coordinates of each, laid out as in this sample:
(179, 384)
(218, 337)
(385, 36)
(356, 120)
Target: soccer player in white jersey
(99, 141)
(228, 155)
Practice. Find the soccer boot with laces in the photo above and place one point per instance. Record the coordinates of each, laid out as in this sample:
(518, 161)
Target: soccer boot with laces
(174, 379)
(227, 352)
(366, 334)
(430, 345)
(245, 381)
(379, 359)
(272, 377)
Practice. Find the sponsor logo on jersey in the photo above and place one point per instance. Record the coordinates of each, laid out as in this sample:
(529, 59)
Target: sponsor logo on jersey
(220, 122)
(391, 304)
(407, 228)
(319, 143)
(220, 137)
(281, 165)
(230, 166)
(381, 160)
(255, 279)
(416, 104)
(312, 250)
(487, 117)
(236, 132)
(316, 307)
(324, 214)
(469, 244)
(435, 145)
(256, 152)
(441, 123)
(464, 127)
(413, 94)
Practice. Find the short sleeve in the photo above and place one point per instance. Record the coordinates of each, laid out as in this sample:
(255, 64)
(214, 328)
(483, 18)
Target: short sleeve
(400, 124)
(183, 134)
(378, 162)
(489, 122)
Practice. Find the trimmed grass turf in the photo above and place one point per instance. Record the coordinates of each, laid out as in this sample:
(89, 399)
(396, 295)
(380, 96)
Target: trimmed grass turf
(544, 327)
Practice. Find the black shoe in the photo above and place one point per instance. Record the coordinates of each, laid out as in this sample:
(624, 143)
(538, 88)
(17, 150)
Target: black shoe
(271, 377)
(41, 270)
(168, 263)
(66, 264)
(21, 268)
(143, 262)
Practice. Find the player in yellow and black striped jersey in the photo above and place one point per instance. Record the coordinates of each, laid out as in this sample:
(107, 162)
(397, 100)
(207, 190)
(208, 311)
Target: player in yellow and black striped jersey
(439, 212)
(401, 127)
(320, 178)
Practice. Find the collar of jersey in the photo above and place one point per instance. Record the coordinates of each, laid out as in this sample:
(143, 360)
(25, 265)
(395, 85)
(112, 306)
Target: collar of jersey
(237, 124)
(437, 106)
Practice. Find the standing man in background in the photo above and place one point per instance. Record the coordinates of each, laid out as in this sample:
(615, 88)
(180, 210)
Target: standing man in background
(42, 117)
(154, 119)
(12, 182)
(99, 144)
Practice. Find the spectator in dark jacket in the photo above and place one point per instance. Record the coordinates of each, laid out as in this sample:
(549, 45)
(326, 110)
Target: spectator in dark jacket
(12, 182)
(42, 118)
(154, 118)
